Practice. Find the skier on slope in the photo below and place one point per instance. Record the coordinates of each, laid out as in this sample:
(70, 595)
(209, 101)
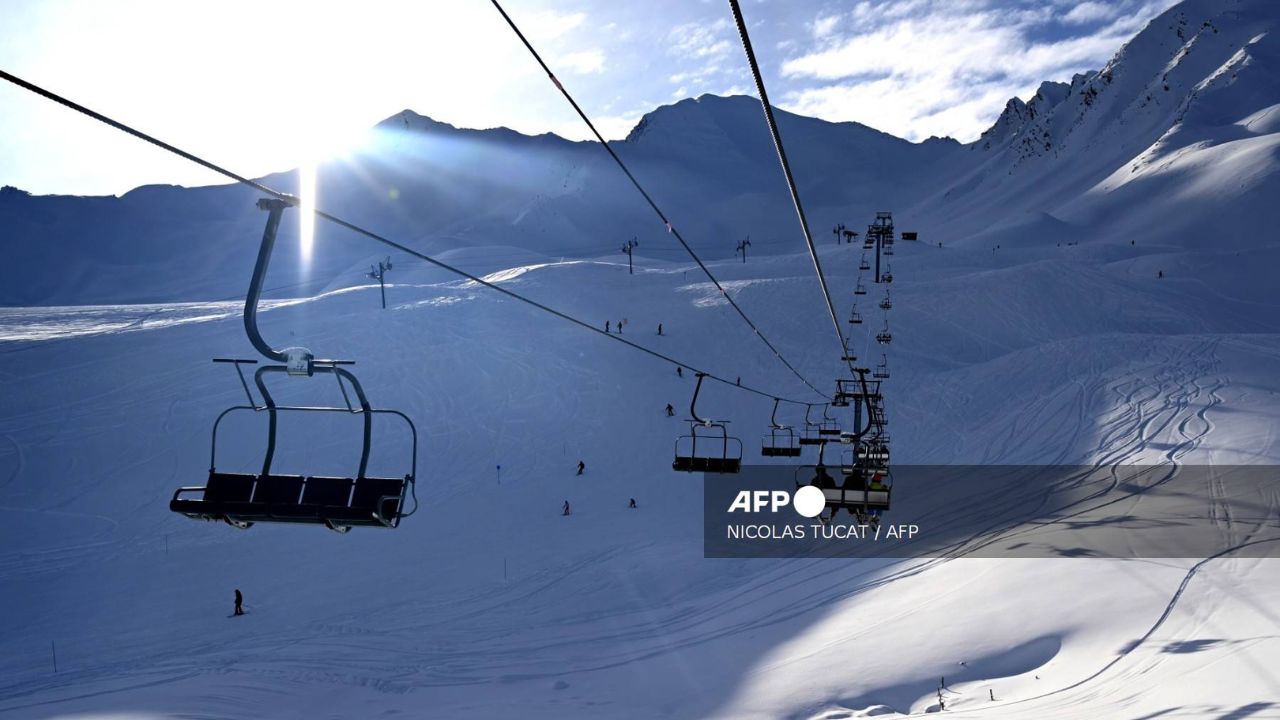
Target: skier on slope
(581, 467)
(607, 326)
(679, 371)
(239, 603)
(565, 510)
(659, 328)
(632, 504)
(671, 412)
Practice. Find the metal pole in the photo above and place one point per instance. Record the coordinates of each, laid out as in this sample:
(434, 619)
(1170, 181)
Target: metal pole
(382, 285)
(879, 239)
(54, 647)
(275, 208)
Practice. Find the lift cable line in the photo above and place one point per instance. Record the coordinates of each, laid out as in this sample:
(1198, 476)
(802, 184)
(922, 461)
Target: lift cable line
(649, 199)
(290, 199)
(786, 166)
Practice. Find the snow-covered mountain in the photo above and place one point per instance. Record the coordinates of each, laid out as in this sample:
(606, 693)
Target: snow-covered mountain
(1175, 135)
(488, 602)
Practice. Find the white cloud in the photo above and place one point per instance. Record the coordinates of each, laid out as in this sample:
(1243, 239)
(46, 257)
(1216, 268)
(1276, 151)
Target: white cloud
(923, 67)
(824, 26)
(1087, 12)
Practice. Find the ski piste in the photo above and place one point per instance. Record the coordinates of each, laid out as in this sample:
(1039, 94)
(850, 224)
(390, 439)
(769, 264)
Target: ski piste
(1090, 284)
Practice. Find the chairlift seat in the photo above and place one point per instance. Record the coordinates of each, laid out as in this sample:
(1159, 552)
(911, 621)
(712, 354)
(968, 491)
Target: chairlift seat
(221, 490)
(707, 464)
(852, 500)
(780, 451)
(374, 501)
(321, 497)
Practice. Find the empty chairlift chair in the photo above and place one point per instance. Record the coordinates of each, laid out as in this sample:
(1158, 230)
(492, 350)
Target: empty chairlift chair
(882, 369)
(781, 440)
(811, 434)
(829, 427)
(340, 503)
(708, 447)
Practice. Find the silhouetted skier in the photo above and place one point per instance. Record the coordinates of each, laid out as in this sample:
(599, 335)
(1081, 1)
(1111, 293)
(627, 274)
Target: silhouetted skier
(671, 412)
(632, 504)
(659, 328)
(581, 467)
(566, 508)
(1160, 274)
(739, 380)
(679, 371)
(619, 327)
(607, 326)
(239, 603)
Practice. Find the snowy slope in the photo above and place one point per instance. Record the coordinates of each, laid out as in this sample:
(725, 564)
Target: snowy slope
(487, 602)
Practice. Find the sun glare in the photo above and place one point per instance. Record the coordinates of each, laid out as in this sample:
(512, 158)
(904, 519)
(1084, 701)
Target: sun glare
(306, 209)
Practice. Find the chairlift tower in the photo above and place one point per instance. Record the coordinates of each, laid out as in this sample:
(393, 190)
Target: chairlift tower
(627, 248)
(880, 236)
(379, 273)
(742, 249)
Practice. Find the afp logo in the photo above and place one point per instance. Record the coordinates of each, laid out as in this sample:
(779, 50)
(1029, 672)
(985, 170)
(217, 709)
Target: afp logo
(808, 501)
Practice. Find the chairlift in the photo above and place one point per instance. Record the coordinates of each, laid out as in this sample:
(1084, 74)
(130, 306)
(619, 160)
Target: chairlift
(339, 503)
(781, 440)
(855, 317)
(829, 426)
(886, 303)
(864, 265)
(884, 337)
(810, 434)
(887, 277)
(858, 494)
(882, 369)
(719, 453)
(860, 289)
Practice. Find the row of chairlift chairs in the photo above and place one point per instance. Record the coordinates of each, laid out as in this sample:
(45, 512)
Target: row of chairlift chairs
(867, 487)
(709, 448)
(241, 499)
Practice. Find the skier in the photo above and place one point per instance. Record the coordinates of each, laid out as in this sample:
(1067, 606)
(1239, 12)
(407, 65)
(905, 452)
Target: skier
(1160, 274)
(566, 508)
(679, 371)
(607, 326)
(632, 504)
(739, 380)
(659, 328)
(239, 603)
(581, 467)
(619, 327)
(671, 412)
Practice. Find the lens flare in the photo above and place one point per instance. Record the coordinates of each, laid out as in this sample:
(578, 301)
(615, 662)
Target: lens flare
(306, 209)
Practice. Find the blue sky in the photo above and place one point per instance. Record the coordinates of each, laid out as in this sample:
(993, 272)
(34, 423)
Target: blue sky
(265, 86)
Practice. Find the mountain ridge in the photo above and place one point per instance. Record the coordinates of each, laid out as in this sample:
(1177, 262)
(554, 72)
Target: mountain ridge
(1189, 102)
